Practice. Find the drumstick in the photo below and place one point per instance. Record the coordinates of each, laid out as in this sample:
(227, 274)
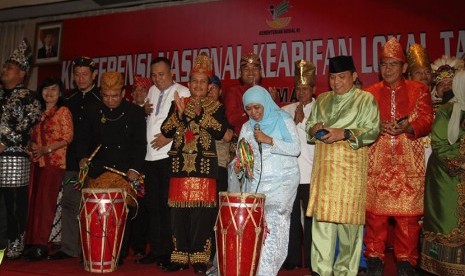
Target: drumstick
(137, 185)
(115, 171)
(79, 183)
(94, 153)
(140, 179)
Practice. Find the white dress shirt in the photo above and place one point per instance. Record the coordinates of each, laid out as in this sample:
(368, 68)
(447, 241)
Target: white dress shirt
(305, 159)
(154, 120)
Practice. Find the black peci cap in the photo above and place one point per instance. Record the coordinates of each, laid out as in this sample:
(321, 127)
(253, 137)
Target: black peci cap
(340, 64)
(84, 62)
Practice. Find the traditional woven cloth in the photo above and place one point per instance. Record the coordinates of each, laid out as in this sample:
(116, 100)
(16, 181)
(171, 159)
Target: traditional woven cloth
(55, 235)
(14, 171)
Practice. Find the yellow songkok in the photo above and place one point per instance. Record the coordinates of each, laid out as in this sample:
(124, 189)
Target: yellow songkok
(112, 81)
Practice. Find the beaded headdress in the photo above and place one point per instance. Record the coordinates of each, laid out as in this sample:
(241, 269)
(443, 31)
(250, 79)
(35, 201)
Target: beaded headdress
(21, 56)
(446, 67)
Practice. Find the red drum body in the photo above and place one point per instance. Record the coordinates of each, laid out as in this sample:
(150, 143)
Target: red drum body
(102, 220)
(239, 233)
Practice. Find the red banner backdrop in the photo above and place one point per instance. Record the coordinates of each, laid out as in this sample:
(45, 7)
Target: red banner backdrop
(281, 32)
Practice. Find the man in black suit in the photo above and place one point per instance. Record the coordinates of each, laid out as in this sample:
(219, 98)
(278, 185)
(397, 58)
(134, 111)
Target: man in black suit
(119, 127)
(49, 48)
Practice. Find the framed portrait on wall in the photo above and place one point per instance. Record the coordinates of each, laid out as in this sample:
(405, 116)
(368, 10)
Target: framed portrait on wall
(48, 43)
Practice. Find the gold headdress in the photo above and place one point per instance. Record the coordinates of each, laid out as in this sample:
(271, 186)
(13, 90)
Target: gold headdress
(304, 73)
(202, 64)
(417, 57)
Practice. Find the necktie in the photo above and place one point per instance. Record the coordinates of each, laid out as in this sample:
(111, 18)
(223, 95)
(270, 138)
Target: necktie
(160, 97)
(49, 52)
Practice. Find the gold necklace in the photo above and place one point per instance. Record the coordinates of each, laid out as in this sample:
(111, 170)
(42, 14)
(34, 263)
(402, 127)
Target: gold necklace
(104, 119)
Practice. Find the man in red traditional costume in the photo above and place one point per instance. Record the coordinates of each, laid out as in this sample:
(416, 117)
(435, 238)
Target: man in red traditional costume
(250, 75)
(251, 67)
(396, 170)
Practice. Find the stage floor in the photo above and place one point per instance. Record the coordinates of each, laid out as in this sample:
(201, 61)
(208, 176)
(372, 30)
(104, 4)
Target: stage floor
(72, 267)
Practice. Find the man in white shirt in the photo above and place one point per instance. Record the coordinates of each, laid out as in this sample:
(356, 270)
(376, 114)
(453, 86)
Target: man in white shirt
(157, 166)
(300, 111)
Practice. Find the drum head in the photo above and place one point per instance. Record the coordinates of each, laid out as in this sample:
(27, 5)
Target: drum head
(257, 195)
(100, 190)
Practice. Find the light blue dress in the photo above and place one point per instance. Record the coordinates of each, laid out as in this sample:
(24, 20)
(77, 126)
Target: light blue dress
(279, 182)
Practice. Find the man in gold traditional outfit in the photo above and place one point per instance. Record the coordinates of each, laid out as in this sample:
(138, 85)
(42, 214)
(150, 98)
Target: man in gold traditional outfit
(194, 123)
(419, 66)
(396, 171)
(350, 118)
(419, 69)
(299, 234)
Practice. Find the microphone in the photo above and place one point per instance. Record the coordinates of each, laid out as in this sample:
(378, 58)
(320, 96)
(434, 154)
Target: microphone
(257, 127)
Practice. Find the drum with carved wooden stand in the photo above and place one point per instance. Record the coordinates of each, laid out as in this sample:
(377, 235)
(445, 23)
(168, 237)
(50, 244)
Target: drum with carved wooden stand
(239, 228)
(102, 221)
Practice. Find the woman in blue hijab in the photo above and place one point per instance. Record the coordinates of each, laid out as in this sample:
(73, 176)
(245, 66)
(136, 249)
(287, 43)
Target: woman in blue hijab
(276, 172)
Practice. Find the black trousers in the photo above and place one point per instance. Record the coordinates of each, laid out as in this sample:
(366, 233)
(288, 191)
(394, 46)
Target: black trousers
(192, 229)
(300, 236)
(155, 204)
(139, 229)
(124, 252)
(3, 224)
(14, 217)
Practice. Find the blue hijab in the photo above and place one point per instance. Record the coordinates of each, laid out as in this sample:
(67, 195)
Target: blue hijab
(272, 123)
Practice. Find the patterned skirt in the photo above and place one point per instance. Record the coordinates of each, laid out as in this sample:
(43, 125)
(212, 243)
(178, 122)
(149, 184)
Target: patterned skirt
(55, 235)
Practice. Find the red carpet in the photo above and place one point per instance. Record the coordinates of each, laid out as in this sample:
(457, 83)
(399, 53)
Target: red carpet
(72, 267)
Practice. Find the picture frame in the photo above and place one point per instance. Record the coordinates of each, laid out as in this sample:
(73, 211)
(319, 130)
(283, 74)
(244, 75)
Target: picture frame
(48, 37)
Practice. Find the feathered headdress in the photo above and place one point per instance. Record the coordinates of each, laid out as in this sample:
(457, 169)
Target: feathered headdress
(445, 67)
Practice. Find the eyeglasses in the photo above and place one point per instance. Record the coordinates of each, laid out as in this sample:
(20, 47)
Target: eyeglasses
(390, 64)
(110, 97)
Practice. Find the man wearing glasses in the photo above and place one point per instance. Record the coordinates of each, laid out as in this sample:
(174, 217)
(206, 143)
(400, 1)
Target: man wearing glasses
(396, 168)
